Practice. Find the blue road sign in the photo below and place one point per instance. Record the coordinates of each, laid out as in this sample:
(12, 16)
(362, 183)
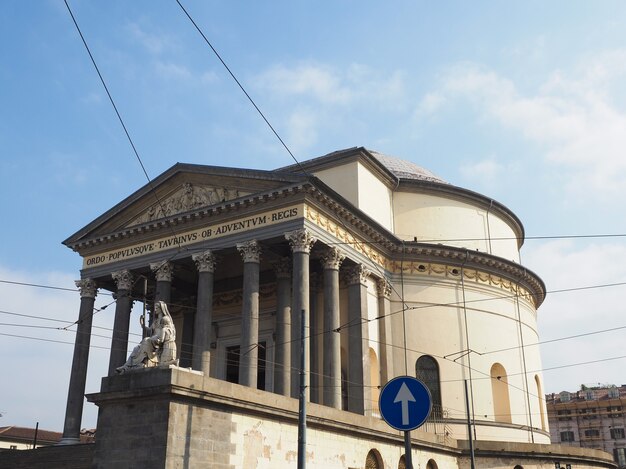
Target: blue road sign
(405, 403)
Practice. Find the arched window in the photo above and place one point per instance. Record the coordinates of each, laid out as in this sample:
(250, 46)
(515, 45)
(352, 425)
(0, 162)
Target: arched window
(374, 379)
(518, 467)
(540, 399)
(500, 391)
(373, 460)
(402, 462)
(431, 464)
(427, 371)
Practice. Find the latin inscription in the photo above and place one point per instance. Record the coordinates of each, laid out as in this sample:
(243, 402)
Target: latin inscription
(195, 236)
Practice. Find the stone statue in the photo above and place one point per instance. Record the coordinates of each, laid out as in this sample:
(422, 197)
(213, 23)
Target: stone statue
(159, 347)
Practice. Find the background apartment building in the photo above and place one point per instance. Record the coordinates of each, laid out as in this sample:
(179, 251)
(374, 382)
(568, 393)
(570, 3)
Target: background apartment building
(593, 417)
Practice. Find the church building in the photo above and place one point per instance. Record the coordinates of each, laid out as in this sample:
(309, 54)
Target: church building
(370, 265)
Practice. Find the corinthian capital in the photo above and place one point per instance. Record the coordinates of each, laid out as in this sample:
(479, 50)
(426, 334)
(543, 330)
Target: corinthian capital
(282, 267)
(383, 288)
(357, 274)
(163, 271)
(87, 288)
(332, 258)
(123, 279)
(250, 251)
(205, 261)
(301, 240)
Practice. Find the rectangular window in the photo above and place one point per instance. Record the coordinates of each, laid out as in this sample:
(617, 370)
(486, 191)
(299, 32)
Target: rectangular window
(567, 436)
(592, 432)
(619, 455)
(617, 433)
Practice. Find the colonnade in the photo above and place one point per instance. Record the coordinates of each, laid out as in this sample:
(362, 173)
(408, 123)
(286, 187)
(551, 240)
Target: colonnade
(292, 296)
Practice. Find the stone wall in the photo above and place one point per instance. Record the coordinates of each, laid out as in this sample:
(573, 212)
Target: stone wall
(177, 418)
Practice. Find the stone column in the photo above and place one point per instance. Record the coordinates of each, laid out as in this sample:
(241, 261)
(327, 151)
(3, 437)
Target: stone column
(383, 288)
(163, 273)
(359, 392)
(301, 242)
(282, 347)
(248, 350)
(331, 261)
(78, 376)
(123, 305)
(205, 262)
(314, 324)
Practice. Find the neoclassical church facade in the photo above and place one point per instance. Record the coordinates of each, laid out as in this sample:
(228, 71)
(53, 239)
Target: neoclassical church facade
(388, 270)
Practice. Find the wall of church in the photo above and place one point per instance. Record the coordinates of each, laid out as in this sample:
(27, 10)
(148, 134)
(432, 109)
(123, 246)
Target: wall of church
(489, 331)
(434, 219)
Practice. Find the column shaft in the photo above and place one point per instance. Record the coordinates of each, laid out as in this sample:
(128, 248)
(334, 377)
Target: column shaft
(332, 340)
(186, 339)
(301, 242)
(359, 392)
(387, 371)
(121, 325)
(80, 361)
(282, 355)
(249, 347)
(314, 324)
(300, 301)
(203, 324)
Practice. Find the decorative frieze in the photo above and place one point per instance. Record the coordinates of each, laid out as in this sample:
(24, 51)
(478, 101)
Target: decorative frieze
(188, 197)
(301, 240)
(332, 258)
(356, 274)
(87, 287)
(344, 236)
(205, 261)
(250, 251)
(163, 271)
(123, 279)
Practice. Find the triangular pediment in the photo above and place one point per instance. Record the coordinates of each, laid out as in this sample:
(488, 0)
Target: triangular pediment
(182, 188)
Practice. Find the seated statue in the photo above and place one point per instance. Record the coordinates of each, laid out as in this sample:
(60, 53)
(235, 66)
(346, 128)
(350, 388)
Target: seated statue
(159, 347)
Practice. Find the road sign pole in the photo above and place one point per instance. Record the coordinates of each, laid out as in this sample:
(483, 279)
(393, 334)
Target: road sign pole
(408, 456)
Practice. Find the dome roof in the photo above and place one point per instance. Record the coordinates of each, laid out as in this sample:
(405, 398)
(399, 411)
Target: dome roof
(404, 169)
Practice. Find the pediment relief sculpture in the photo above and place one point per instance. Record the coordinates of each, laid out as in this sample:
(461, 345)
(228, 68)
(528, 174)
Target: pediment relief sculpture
(188, 197)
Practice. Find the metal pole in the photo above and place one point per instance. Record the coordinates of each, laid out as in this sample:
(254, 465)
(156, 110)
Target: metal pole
(408, 456)
(302, 408)
(35, 439)
(469, 428)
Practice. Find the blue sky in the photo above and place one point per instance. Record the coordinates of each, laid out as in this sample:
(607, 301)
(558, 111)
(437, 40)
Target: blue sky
(522, 102)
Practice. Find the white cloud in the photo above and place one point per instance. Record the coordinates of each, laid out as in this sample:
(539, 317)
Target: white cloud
(573, 117)
(302, 129)
(328, 94)
(564, 264)
(169, 70)
(486, 170)
(154, 43)
(320, 82)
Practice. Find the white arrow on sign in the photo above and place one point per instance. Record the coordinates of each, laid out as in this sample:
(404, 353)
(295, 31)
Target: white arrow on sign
(404, 396)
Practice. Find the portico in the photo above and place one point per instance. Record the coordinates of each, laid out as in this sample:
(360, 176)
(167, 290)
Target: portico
(235, 278)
